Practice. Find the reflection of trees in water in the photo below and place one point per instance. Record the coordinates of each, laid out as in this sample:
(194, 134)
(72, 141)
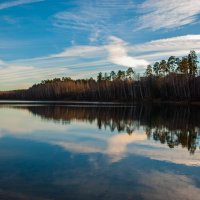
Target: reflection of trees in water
(185, 138)
(173, 125)
(122, 119)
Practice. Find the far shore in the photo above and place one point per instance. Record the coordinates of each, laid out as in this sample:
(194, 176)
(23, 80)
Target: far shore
(94, 103)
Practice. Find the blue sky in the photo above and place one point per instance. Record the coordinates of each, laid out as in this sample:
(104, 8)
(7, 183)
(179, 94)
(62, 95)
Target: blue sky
(41, 39)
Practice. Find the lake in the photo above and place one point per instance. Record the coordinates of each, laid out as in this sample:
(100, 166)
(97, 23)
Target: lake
(57, 151)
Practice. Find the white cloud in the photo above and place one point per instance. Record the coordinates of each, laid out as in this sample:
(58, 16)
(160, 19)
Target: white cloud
(118, 145)
(168, 13)
(9, 4)
(118, 54)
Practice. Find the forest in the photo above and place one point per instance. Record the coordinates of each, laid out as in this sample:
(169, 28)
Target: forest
(175, 79)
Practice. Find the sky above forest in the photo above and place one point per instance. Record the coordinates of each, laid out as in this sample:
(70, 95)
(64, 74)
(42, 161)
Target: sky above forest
(43, 39)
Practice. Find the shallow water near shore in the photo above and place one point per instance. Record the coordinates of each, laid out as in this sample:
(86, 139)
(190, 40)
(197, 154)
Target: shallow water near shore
(99, 152)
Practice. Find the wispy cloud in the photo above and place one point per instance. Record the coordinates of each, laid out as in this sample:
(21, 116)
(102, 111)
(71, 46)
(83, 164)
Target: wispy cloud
(15, 76)
(96, 17)
(13, 3)
(167, 14)
(170, 185)
(163, 48)
(79, 51)
(21, 125)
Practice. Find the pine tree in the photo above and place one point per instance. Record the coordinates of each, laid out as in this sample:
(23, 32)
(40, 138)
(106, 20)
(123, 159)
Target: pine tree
(171, 63)
(156, 68)
(163, 67)
(183, 65)
(192, 63)
(130, 73)
(99, 77)
(149, 71)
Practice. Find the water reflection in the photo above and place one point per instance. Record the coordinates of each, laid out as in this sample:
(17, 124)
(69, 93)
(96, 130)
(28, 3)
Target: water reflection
(114, 152)
(171, 125)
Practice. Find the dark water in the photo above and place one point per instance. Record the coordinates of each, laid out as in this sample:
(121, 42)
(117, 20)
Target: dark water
(99, 152)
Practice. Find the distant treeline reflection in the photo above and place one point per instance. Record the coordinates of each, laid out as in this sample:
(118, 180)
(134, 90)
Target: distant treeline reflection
(174, 125)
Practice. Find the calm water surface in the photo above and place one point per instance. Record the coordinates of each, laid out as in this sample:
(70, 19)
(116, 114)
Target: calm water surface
(99, 152)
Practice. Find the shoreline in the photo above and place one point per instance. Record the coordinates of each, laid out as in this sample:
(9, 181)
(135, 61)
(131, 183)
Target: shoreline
(94, 103)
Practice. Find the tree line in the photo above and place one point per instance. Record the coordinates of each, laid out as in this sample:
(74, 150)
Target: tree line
(186, 65)
(174, 79)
